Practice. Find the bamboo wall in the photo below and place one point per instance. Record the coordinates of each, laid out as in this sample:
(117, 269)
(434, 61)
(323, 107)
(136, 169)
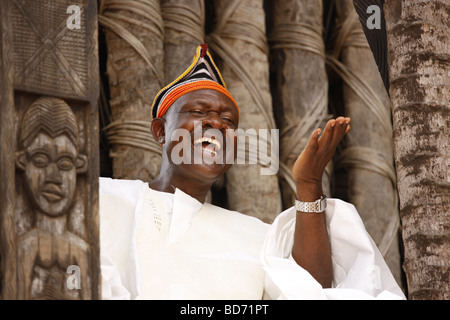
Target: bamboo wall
(290, 64)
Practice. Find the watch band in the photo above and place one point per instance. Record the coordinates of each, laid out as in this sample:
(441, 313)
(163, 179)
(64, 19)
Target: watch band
(317, 206)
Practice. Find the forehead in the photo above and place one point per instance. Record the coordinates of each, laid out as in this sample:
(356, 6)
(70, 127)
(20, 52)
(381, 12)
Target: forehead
(210, 99)
(59, 144)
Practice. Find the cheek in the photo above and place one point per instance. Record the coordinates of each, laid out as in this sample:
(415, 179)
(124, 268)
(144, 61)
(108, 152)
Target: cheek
(35, 177)
(181, 130)
(68, 181)
(181, 123)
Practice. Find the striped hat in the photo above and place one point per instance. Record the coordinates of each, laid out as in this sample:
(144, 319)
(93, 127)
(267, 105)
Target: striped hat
(201, 74)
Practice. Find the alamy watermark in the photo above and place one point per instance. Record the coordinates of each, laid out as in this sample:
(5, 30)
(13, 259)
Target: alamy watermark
(74, 280)
(374, 20)
(227, 147)
(74, 20)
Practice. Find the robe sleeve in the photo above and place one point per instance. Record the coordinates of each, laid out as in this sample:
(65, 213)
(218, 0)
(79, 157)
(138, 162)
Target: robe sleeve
(112, 286)
(119, 201)
(359, 270)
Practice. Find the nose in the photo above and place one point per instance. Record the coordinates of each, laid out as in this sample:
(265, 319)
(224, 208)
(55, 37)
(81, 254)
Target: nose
(52, 173)
(214, 121)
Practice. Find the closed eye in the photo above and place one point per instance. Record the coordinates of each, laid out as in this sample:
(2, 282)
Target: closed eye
(228, 121)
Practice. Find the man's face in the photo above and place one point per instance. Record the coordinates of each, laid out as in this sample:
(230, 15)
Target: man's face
(50, 173)
(210, 118)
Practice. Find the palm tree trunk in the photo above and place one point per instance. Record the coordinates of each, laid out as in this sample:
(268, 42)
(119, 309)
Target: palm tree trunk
(418, 35)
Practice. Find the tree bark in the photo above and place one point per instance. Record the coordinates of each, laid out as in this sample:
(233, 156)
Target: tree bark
(418, 41)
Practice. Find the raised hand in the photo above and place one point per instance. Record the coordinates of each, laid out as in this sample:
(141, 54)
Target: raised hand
(311, 249)
(310, 165)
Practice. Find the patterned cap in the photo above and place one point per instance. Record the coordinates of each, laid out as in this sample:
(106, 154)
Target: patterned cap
(201, 74)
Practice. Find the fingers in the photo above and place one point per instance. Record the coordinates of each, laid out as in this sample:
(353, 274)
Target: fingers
(348, 128)
(320, 149)
(334, 131)
(328, 132)
(313, 142)
(341, 128)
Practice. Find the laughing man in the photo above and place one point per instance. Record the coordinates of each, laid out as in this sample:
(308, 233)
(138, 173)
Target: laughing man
(161, 240)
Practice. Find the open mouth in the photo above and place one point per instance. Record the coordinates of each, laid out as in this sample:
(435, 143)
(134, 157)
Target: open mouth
(209, 144)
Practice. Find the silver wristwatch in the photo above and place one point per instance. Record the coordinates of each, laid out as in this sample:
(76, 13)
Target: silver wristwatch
(317, 206)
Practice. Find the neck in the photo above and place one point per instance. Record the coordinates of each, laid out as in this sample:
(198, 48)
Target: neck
(53, 225)
(168, 181)
(197, 191)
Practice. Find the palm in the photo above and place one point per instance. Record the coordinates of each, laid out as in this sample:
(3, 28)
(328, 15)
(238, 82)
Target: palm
(311, 163)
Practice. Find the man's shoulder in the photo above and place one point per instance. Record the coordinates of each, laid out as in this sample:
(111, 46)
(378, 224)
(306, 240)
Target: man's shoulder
(127, 190)
(111, 185)
(119, 197)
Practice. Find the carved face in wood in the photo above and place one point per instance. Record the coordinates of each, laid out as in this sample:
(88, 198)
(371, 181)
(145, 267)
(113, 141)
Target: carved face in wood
(50, 158)
(50, 172)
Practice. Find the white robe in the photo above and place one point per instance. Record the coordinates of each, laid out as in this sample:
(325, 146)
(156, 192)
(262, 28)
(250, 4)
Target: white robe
(157, 245)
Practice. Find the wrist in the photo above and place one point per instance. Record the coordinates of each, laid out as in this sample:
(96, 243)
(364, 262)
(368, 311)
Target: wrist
(309, 192)
(317, 206)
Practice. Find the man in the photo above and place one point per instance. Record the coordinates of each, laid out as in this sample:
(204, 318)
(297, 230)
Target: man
(162, 241)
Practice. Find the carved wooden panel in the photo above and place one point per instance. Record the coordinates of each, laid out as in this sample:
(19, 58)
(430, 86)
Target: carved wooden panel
(49, 245)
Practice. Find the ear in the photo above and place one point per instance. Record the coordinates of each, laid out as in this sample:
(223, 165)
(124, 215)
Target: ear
(158, 131)
(20, 158)
(81, 164)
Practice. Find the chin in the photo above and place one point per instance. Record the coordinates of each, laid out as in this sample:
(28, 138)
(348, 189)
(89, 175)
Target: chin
(211, 172)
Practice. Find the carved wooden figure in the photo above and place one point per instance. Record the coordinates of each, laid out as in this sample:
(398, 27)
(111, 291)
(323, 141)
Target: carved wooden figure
(49, 246)
(50, 160)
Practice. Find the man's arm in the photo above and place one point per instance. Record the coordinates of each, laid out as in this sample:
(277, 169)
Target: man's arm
(311, 249)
